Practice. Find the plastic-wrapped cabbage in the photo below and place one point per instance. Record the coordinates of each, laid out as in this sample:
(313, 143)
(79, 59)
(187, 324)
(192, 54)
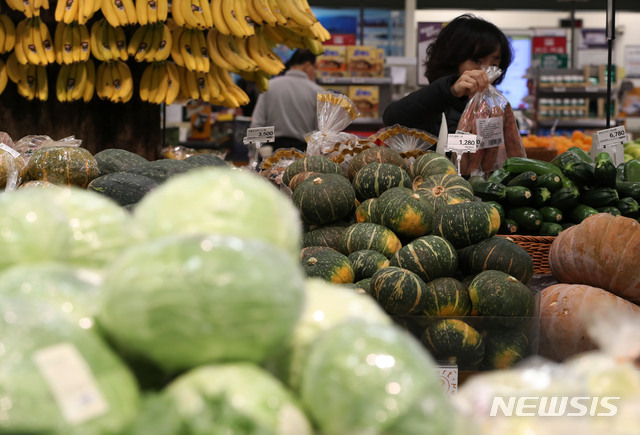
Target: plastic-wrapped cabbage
(57, 376)
(221, 201)
(326, 305)
(238, 399)
(360, 378)
(186, 300)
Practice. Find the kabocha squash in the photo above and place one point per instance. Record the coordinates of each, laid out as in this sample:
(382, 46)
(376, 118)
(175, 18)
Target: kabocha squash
(466, 223)
(497, 253)
(374, 155)
(160, 170)
(455, 341)
(205, 160)
(329, 265)
(504, 348)
(428, 256)
(123, 187)
(495, 293)
(13, 168)
(299, 178)
(368, 235)
(367, 262)
(566, 310)
(319, 164)
(602, 251)
(60, 164)
(398, 291)
(310, 251)
(431, 164)
(445, 189)
(364, 210)
(446, 297)
(324, 198)
(117, 160)
(404, 212)
(326, 235)
(375, 178)
(364, 284)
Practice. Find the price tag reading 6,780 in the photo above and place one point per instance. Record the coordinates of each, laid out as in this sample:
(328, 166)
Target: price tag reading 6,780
(612, 137)
(462, 142)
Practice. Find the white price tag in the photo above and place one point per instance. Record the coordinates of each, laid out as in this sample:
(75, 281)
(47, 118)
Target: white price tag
(612, 137)
(260, 135)
(448, 375)
(463, 142)
(491, 132)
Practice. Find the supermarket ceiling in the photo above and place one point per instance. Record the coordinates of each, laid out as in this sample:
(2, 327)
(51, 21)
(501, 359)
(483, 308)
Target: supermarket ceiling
(554, 5)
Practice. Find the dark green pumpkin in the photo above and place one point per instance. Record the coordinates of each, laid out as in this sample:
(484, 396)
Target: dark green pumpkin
(364, 210)
(375, 178)
(398, 291)
(329, 265)
(123, 187)
(455, 342)
(447, 297)
(504, 348)
(310, 251)
(117, 160)
(445, 189)
(367, 235)
(429, 256)
(429, 164)
(160, 170)
(299, 178)
(496, 293)
(61, 164)
(205, 160)
(466, 223)
(404, 212)
(374, 155)
(497, 253)
(318, 164)
(367, 262)
(364, 285)
(325, 235)
(324, 198)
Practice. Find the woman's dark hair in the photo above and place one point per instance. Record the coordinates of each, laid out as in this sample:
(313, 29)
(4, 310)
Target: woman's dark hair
(466, 37)
(300, 57)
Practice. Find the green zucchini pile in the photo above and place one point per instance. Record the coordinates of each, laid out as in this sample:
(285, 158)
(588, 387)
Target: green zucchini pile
(541, 198)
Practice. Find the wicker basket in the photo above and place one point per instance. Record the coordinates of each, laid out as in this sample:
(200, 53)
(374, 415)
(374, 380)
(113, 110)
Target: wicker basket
(537, 247)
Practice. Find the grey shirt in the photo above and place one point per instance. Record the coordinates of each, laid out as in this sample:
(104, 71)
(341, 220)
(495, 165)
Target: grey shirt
(289, 105)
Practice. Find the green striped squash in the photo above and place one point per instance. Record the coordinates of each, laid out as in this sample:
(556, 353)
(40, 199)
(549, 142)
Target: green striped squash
(497, 253)
(319, 164)
(374, 155)
(504, 348)
(466, 223)
(428, 256)
(455, 341)
(299, 178)
(367, 235)
(429, 164)
(364, 210)
(329, 265)
(375, 178)
(496, 293)
(325, 235)
(446, 297)
(63, 164)
(310, 251)
(404, 212)
(367, 262)
(445, 189)
(364, 284)
(325, 198)
(398, 291)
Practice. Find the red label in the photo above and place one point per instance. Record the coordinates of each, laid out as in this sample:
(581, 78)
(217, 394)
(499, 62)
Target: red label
(549, 44)
(342, 39)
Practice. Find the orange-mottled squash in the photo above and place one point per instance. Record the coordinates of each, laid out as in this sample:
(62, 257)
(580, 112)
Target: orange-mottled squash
(603, 251)
(566, 312)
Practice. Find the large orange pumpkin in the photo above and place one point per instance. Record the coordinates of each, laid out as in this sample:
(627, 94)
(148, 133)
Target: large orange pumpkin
(566, 312)
(603, 251)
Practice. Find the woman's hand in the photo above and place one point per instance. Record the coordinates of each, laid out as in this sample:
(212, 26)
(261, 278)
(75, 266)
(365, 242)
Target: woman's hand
(469, 83)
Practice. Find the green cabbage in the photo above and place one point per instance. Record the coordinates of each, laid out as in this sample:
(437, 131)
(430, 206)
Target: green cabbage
(360, 378)
(187, 300)
(221, 201)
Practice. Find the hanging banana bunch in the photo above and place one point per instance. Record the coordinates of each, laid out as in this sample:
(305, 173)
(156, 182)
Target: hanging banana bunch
(68, 11)
(119, 12)
(4, 76)
(31, 79)
(7, 34)
(151, 43)
(114, 81)
(72, 43)
(33, 43)
(76, 82)
(28, 8)
(151, 11)
(160, 83)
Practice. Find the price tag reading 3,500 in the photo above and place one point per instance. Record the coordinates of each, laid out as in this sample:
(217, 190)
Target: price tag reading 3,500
(612, 137)
(260, 135)
(463, 142)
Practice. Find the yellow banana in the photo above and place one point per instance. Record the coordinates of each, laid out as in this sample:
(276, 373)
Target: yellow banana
(109, 12)
(192, 85)
(67, 44)
(200, 51)
(229, 47)
(87, 8)
(190, 19)
(105, 83)
(115, 82)
(256, 19)
(9, 34)
(324, 33)
(262, 80)
(313, 45)
(263, 56)
(89, 88)
(240, 7)
(270, 33)
(217, 17)
(205, 5)
(186, 49)
(142, 11)
(282, 20)
(35, 45)
(163, 9)
(78, 73)
(2, 37)
(264, 11)
(214, 53)
(129, 10)
(4, 77)
(27, 83)
(14, 68)
(175, 46)
(117, 34)
(163, 51)
(119, 13)
(41, 85)
(154, 44)
(136, 40)
(145, 82)
(232, 18)
(110, 42)
(76, 49)
(173, 85)
(176, 12)
(18, 49)
(25, 39)
(298, 16)
(126, 80)
(60, 9)
(70, 11)
(214, 86)
(163, 85)
(85, 42)
(152, 11)
(61, 83)
(97, 48)
(203, 85)
(144, 46)
(47, 41)
(16, 5)
(154, 82)
(184, 92)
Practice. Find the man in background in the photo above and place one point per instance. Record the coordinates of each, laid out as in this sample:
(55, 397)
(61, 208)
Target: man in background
(290, 103)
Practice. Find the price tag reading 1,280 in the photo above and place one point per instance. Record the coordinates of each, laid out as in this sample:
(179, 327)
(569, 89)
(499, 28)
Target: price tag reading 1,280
(463, 142)
(260, 135)
(612, 137)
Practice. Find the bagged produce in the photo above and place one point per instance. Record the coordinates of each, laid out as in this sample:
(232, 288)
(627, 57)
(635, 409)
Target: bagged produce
(335, 113)
(12, 164)
(489, 115)
(409, 142)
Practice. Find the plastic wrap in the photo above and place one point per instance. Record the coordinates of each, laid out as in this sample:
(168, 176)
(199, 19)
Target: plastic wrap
(489, 115)
(409, 142)
(273, 167)
(12, 164)
(335, 113)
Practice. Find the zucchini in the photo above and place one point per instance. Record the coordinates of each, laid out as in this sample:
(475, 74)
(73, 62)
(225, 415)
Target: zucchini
(582, 154)
(551, 181)
(562, 160)
(499, 176)
(518, 195)
(599, 197)
(508, 226)
(550, 229)
(488, 191)
(605, 170)
(527, 218)
(551, 214)
(628, 188)
(540, 196)
(580, 172)
(609, 209)
(628, 207)
(565, 198)
(632, 170)
(518, 165)
(580, 212)
(527, 179)
(620, 172)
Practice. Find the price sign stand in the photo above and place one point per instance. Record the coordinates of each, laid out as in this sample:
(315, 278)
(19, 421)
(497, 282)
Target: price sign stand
(254, 139)
(461, 143)
(448, 374)
(611, 141)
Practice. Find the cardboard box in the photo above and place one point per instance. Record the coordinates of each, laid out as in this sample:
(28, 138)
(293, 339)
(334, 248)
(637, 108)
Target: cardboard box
(365, 61)
(338, 89)
(366, 99)
(333, 62)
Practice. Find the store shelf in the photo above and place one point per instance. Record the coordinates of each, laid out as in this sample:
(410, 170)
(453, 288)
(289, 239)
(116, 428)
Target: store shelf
(595, 123)
(354, 80)
(572, 91)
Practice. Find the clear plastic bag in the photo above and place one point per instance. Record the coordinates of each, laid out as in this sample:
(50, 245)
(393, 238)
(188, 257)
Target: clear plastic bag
(12, 164)
(335, 113)
(409, 142)
(489, 115)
